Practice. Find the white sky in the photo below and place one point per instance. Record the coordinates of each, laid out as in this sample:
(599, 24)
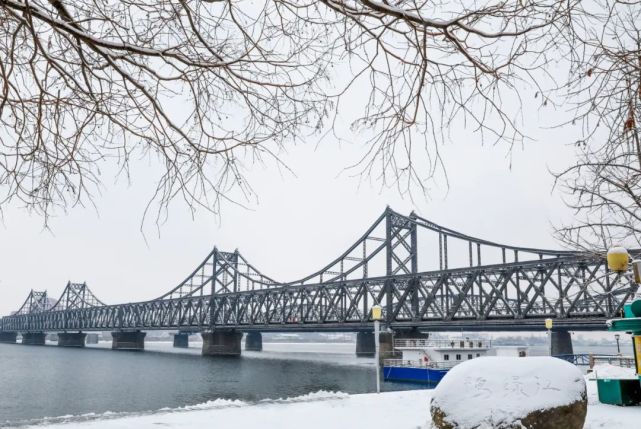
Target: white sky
(300, 222)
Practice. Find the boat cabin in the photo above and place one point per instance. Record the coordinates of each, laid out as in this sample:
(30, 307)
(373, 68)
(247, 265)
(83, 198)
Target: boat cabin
(441, 353)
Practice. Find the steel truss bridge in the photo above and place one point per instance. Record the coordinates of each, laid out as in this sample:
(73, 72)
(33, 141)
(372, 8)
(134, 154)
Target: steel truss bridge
(459, 283)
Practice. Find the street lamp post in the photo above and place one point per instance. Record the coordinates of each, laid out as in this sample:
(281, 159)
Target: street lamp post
(618, 260)
(548, 326)
(377, 315)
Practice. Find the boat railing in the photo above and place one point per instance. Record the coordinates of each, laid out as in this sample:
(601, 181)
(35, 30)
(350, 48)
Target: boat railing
(467, 343)
(403, 363)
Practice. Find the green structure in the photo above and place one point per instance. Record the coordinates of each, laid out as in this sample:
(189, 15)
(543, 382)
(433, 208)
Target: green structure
(621, 391)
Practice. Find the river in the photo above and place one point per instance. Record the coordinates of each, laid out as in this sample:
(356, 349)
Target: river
(44, 382)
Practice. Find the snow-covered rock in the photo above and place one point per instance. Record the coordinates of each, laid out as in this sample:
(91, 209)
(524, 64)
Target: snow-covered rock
(510, 393)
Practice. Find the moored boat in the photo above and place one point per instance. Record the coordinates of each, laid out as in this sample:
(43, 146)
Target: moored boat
(427, 361)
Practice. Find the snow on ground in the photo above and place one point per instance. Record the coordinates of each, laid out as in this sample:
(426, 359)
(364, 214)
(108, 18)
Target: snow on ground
(322, 410)
(407, 409)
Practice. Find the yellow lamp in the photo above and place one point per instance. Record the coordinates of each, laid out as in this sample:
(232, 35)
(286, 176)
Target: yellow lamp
(548, 324)
(618, 259)
(377, 312)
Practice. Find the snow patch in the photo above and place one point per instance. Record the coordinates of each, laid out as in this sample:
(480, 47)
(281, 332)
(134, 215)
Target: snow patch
(213, 405)
(321, 395)
(209, 405)
(612, 371)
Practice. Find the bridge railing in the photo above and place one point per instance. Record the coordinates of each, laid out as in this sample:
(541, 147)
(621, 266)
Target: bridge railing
(463, 343)
(403, 363)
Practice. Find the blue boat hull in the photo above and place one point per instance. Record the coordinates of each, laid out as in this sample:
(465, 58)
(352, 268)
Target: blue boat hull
(415, 375)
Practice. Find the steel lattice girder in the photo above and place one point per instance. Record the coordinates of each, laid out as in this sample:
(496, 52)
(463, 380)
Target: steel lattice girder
(226, 291)
(579, 291)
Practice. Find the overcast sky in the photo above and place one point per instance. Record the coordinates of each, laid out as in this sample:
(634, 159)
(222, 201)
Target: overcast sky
(300, 221)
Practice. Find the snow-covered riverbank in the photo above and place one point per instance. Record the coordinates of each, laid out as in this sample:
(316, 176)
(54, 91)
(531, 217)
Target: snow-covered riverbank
(400, 410)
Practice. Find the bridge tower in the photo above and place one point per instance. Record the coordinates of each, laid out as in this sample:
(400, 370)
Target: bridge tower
(222, 342)
(401, 257)
(401, 253)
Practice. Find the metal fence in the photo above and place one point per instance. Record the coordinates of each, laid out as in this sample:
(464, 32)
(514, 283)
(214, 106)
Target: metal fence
(591, 360)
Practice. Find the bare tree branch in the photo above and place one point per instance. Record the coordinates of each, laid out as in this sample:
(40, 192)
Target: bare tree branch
(208, 87)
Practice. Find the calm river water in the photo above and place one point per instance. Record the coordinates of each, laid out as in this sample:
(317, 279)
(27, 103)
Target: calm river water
(38, 382)
(50, 384)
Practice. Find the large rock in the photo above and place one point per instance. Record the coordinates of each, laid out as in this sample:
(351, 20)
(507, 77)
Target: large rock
(511, 393)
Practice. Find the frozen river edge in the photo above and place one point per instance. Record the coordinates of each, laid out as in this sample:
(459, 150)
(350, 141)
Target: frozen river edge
(400, 410)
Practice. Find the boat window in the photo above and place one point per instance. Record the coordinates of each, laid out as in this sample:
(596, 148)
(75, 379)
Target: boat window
(471, 344)
(458, 357)
(480, 344)
(462, 343)
(478, 355)
(446, 357)
(469, 356)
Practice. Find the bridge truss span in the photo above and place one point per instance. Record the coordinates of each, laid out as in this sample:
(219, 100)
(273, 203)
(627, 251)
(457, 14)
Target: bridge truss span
(459, 282)
(502, 297)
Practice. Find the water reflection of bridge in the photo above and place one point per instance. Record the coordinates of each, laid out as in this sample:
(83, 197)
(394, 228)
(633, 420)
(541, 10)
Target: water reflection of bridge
(458, 283)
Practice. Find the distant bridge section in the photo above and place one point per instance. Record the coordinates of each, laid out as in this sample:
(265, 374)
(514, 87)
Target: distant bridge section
(459, 282)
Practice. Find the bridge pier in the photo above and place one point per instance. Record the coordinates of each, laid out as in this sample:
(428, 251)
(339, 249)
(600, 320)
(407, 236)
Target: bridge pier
(365, 344)
(221, 343)
(8, 337)
(181, 340)
(366, 347)
(254, 342)
(128, 340)
(561, 341)
(386, 344)
(71, 339)
(33, 338)
(92, 339)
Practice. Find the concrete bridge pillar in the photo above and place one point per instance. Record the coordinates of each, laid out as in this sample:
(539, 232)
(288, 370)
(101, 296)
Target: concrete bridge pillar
(561, 343)
(386, 344)
(128, 340)
(254, 342)
(33, 338)
(71, 339)
(92, 339)
(366, 347)
(221, 343)
(365, 344)
(8, 337)
(181, 340)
